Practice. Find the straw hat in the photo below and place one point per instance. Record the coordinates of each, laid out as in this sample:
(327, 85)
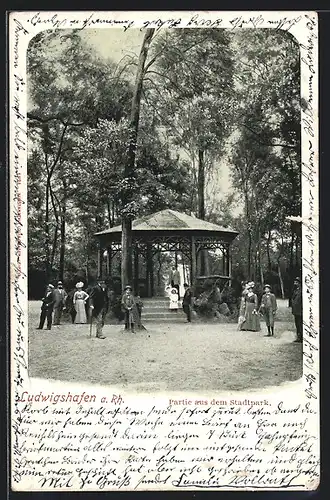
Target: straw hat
(128, 287)
(50, 286)
(80, 284)
(267, 286)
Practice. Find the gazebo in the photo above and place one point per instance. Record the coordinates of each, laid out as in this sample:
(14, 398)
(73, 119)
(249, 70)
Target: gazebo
(166, 231)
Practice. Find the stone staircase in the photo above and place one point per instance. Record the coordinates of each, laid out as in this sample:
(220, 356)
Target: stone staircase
(156, 309)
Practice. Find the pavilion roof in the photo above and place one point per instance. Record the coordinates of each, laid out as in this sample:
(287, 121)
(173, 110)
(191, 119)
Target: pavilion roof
(170, 220)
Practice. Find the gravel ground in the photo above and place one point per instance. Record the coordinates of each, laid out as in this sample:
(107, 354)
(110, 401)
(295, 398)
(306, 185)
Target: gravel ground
(176, 357)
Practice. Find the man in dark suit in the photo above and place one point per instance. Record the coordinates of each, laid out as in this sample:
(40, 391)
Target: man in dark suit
(187, 302)
(296, 306)
(47, 308)
(99, 304)
(60, 296)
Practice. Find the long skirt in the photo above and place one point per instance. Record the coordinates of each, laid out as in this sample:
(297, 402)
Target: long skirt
(241, 314)
(81, 311)
(252, 320)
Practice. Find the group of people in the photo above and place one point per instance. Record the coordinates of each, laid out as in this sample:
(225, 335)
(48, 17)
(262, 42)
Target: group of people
(187, 300)
(93, 306)
(250, 311)
(88, 307)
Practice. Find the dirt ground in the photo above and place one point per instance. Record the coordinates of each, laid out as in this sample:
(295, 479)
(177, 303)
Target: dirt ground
(167, 357)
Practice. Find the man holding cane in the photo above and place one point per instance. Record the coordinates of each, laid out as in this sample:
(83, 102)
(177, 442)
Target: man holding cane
(99, 304)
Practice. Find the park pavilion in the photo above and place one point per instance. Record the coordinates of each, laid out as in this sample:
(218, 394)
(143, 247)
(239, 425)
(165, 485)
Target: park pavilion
(166, 231)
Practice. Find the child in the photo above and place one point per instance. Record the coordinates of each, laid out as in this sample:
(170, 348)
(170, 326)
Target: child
(174, 300)
(129, 306)
(187, 302)
(268, 309)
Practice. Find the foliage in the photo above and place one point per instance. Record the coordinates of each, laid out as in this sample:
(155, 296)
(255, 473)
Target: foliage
(207, 95)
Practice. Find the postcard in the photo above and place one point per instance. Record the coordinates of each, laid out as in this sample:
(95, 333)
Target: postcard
(164, 274)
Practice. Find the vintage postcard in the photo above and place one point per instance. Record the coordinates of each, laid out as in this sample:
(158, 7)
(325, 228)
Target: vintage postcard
(164, 275)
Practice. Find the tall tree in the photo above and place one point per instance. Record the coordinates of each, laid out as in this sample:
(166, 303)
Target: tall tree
(266, 148)
(127, 192)
(68, 89)
(194, 69)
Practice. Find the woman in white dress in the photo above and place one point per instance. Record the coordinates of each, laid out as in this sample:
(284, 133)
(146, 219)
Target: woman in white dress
(79, 301)
(174, 300)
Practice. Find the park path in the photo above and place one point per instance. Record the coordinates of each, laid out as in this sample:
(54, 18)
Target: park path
(167, 357)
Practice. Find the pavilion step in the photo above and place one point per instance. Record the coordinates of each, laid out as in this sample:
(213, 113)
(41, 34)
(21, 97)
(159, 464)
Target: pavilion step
(158, 304)
(180, 319)
(162, 314)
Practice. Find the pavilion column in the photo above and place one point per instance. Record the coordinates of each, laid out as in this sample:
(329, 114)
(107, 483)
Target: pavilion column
(149, 270)
(227, 260)
(223, 260)
(136, 270)
(193, 260)
(152, 281)
(184, 269)
(230, 265)
(109, 261)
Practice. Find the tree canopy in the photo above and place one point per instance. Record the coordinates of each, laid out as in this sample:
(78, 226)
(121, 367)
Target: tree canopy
(205, 97)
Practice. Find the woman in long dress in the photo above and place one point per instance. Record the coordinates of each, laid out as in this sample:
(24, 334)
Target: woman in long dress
(251, 317)
(79, 301)
(241, 314)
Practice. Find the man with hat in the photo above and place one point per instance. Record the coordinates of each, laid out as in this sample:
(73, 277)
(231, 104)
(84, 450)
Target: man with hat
(268, 308)
(130, 309)
(47, 308)
(296, 307)
(99, 304)
(60, 296)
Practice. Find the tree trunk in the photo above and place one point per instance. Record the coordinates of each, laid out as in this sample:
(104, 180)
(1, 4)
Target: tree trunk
(261, 270)
(47, 232)
(268, 251)
(291, 270)
(54, 248)
(126, 252)
(63, 242)
(126, 240)
(49, 193)
(201, 185)
(109, 213)
(249, 256)
(204, 257)
(281, 280)
(87, 267)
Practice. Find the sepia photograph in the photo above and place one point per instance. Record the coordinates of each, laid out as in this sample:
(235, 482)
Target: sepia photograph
(164, 208)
